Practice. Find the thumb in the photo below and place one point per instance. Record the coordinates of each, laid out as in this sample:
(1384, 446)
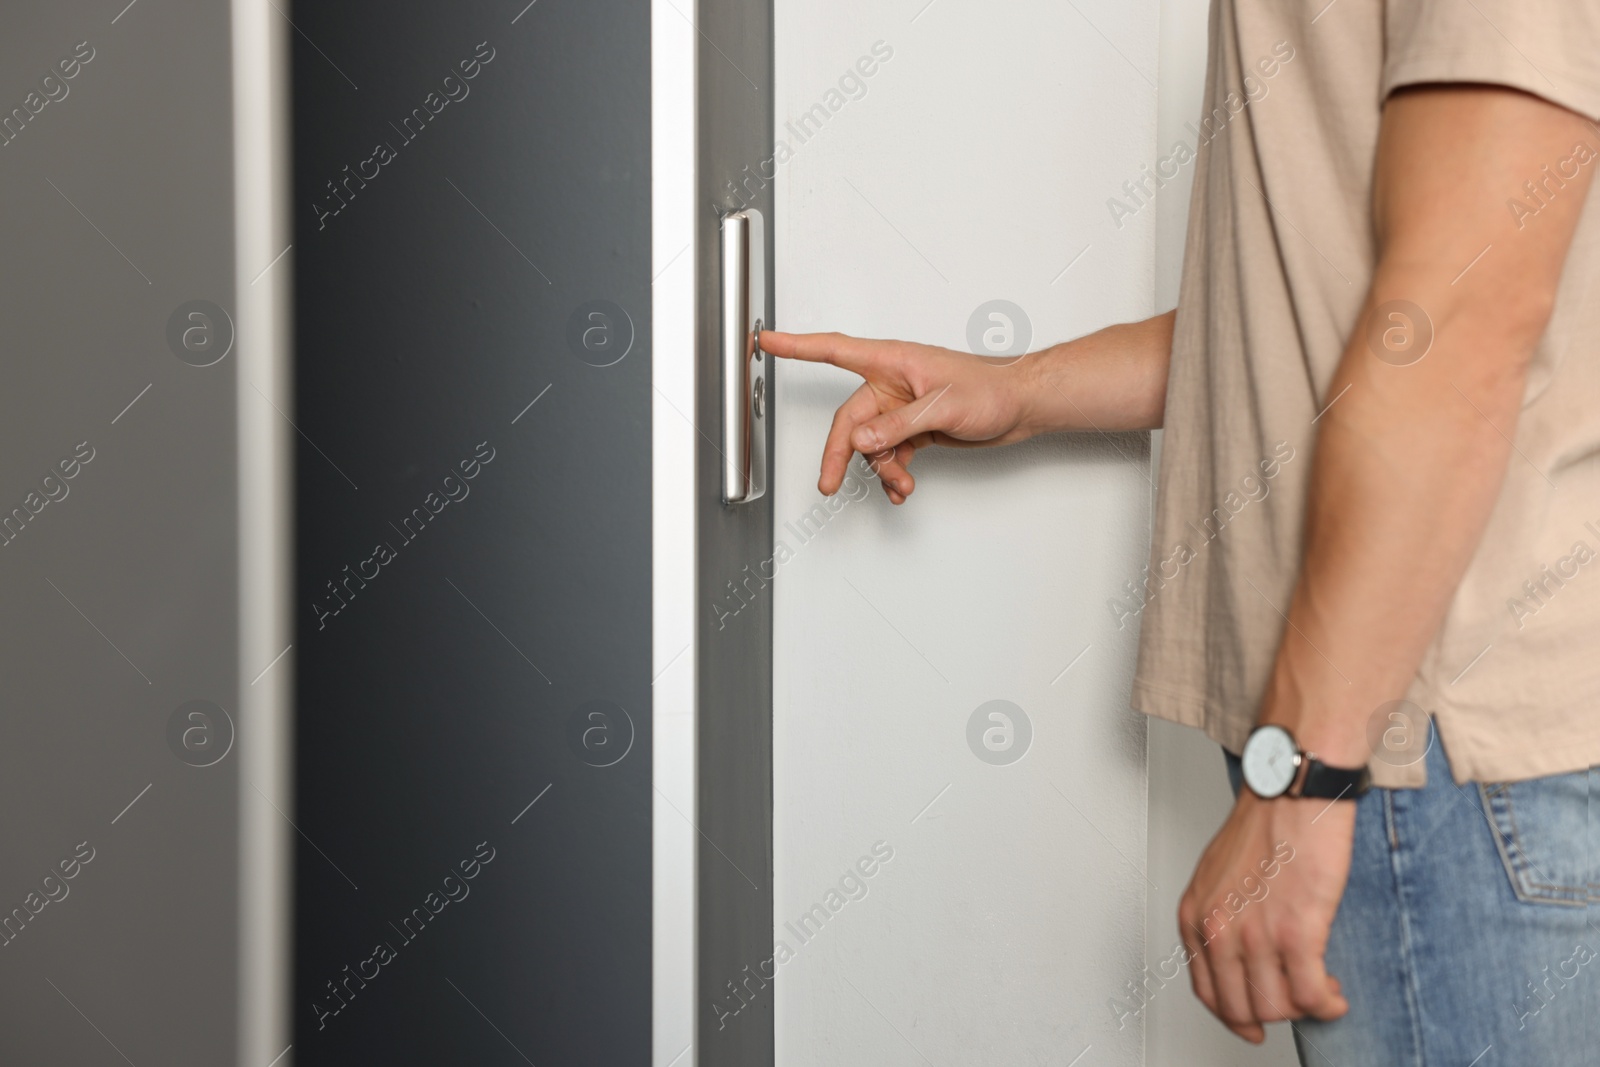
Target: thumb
(892, 427)
(1313, 990)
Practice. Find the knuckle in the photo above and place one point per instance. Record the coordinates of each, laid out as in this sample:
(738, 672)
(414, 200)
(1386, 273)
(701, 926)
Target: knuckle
(1301, 934)
(1290, 935)
(1223, 941)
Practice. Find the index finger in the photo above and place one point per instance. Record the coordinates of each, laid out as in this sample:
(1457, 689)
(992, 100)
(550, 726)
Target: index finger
(851, 353)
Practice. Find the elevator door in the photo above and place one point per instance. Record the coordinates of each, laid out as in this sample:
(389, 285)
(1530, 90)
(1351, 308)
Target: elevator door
(479, 867)
(473, 357)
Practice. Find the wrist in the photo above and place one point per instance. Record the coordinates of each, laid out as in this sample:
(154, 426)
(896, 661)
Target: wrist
(1326, 713)
(1035, 390)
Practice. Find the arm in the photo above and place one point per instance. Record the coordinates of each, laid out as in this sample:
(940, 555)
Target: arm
(919, 395)
(1409, 463)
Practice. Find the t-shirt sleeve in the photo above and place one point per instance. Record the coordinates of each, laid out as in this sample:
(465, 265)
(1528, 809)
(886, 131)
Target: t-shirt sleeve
(1550, 48)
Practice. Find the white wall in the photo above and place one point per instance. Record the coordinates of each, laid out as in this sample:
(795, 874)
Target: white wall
(976, 167)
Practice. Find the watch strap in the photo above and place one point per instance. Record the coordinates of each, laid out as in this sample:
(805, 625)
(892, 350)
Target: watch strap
(1333, 783)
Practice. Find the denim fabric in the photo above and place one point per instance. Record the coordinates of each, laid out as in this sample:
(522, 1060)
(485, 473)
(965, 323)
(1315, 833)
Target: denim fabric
(1467, 936)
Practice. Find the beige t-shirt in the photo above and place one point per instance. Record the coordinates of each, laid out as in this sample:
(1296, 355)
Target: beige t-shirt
(1278, 260)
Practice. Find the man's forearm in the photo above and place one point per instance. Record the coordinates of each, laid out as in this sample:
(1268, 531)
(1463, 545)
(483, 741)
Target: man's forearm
(1113, 379)
(1408, 466)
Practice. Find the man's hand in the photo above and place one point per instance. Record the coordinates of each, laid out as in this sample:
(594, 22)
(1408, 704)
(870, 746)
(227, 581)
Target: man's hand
(919, 395)
(1256, 915)
(914, 396)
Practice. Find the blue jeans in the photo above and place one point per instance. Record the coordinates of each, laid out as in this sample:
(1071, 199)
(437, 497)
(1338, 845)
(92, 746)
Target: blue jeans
(1468, 935)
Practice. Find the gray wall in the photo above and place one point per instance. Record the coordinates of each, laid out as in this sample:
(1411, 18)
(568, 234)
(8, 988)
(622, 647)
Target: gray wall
(734, 885)
(120, 596)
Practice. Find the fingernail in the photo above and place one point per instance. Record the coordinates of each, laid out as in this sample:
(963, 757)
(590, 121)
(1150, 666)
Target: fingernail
(868, 441)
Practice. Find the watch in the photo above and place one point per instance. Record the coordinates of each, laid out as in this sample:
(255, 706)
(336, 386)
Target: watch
(1275, 766)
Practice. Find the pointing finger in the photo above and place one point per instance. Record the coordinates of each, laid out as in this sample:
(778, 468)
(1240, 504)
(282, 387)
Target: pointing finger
(851, 353)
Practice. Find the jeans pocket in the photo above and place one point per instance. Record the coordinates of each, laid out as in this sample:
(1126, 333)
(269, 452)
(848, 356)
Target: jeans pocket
(1548, 833)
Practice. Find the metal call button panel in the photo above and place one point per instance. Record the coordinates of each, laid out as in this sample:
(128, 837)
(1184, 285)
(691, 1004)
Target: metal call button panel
(745, 392)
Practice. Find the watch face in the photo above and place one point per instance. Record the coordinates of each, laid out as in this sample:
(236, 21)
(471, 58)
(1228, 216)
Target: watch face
(1270, 761)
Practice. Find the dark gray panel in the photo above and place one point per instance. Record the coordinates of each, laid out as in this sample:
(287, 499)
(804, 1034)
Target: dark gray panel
(734, 747)
(120, 594)
(436, 299)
